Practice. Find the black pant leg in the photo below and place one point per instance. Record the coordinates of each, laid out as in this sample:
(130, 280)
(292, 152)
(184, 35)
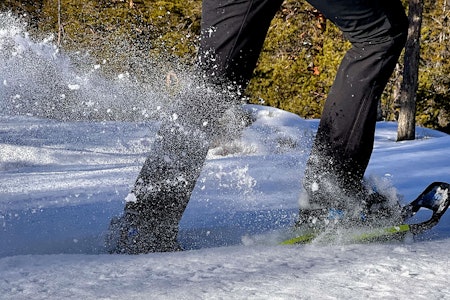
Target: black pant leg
(344, 141)
(231, 41)
(233, 33)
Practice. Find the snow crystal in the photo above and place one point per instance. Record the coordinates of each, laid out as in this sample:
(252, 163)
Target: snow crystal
(131, 197)
(61, 182)
(74, 87)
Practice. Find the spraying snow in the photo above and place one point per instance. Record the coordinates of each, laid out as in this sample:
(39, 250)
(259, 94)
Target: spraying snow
(62, 179)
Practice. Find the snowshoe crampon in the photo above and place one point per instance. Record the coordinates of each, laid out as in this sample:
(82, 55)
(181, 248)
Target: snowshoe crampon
(435, 198)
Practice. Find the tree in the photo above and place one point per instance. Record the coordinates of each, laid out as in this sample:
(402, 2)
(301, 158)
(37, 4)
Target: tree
(296, 67)
(407, 116)
(29, 10)
(299, 61)
(433, 96)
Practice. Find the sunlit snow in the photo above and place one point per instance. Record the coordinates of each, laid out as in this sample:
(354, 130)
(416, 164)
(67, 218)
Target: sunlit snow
(64, 174)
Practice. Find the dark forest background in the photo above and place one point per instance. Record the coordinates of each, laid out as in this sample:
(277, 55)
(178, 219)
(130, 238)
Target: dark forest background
(296, 68)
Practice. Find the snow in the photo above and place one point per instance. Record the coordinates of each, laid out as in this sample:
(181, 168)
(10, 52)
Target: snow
(350, 272)
(61, 181)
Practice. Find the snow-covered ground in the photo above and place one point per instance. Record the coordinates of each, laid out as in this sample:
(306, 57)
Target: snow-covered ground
(62, 181)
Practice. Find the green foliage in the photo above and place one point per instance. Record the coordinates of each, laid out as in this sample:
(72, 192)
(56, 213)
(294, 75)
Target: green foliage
(126, 33)
(296, 68)
(433, 97)
(298, 62)
(30, 10)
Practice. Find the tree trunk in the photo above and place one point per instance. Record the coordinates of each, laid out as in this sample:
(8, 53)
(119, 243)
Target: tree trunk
(406, 119)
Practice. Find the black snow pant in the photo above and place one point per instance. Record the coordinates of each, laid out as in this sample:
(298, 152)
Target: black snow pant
(233, 32)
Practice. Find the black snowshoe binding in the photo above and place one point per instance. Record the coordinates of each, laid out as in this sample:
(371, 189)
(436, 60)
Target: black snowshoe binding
(376, 210)
(435, 198)
(380, 220)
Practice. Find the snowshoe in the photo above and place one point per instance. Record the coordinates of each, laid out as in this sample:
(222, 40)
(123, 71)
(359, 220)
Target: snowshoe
(376, 225)
(435, 198)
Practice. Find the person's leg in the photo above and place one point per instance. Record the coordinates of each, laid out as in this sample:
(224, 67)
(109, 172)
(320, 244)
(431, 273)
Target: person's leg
(344, 141)
(232, 33)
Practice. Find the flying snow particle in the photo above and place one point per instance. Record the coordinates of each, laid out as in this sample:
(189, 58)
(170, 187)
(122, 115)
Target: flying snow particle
(74, 87)
(315, 187)
(131, 198)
